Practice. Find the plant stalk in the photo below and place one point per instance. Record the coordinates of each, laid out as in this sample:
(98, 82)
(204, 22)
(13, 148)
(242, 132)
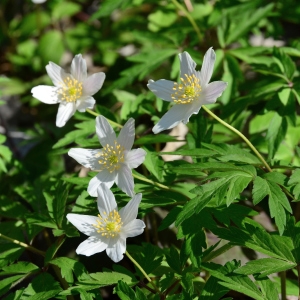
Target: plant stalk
(283, 284)
(143, 271)
(240, 135)
(30, 248)
(109, 121)
(189, 17)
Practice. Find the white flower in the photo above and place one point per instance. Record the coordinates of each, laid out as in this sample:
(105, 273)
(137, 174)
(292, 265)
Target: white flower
(110, 229)
(38, 1)
(115, 160)
(72, 91)
(190, 94)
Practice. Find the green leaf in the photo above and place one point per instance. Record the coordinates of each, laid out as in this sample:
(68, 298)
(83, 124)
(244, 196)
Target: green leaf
(42, 287)
(65, 9)
(124, 291)
(238, 283)
(265, 266)
(173, 260)
(68, 266)
(21, 267)
(276, 133)
(277, 200)
(226, 188)
(154, 164)
(249, 20)
(153, 139)
(51, 46)
(85, 128)
(109, 278)
(268, 288)
(6, 283)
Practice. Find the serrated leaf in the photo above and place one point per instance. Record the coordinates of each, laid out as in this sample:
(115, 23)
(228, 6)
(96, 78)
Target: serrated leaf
(154, 165)
(124, 291)
(239, 283)
(249, 21)
(276, 133)
(265, 266)
(109, 278)
(277, 200)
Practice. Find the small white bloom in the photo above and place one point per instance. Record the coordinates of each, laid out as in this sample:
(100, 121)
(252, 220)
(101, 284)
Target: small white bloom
(190, 94)
(110, 229)
(38, 1)
(73, 91)
(115, 160)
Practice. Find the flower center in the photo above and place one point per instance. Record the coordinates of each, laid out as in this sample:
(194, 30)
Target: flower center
(71, 90)
(110, 225)
(112, 157)
(187, 90)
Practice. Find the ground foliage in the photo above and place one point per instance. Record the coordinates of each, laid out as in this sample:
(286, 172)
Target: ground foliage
(220, 190)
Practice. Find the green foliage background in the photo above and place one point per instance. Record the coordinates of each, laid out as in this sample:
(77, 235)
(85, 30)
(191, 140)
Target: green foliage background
(222, 193)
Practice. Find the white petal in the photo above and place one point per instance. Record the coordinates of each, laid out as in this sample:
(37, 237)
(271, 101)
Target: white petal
(93, 84)
(38, 1)
(85, 102)
(83, 223)
(105, 177)
(106, 200)
(129, 212)
(127, 134)
(65, 112)
(207, 66)
(86, 157)
(162, 88)
(124, 180)
(177, 113)
(187, 65)
(78, 68)
(46, 94)
(134, 228)
(134, 158)
(116, 252)
(105, 133)
(91, 246)
(56, 73)
(213, 91)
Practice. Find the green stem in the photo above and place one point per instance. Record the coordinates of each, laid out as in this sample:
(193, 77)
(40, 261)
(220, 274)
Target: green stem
(217, 253)
(109, 121)
(298, 269)
(30, 248)
(283, 284)
(240, 135)
(190, 18)
(158, 185)
(142, 270)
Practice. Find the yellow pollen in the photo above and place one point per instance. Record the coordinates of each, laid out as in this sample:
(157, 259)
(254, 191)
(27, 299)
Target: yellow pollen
(111, 157)
(71, 90)
(187, 90)
(110, 225)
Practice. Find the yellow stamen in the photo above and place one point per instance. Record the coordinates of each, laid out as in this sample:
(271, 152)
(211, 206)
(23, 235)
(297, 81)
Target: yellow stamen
(187, 91)
(71, 90)
(111, 157)
(110, 225)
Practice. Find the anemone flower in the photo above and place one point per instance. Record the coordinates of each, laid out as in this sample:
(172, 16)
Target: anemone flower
(193, 91)
(73, 91)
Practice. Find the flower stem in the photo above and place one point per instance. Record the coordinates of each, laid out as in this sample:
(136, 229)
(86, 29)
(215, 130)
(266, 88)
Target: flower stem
(217, 252)
(190, 18)
(240, 135)
(30, 248)
(143, 271)
(158, 185)
(283, 284)
(109, 121)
